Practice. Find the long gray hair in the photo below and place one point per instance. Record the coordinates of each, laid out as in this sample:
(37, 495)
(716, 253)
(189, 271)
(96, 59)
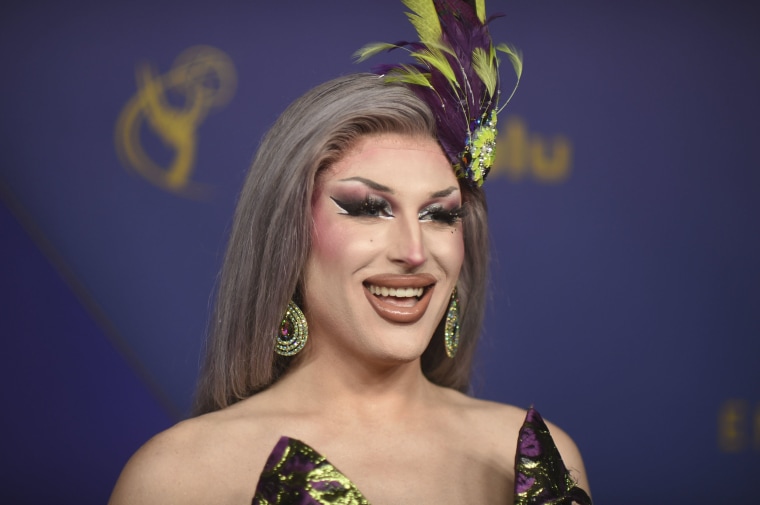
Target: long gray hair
(271, 238)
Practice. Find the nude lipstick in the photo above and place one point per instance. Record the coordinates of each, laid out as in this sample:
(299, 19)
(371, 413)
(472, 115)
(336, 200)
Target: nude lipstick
(400, 309)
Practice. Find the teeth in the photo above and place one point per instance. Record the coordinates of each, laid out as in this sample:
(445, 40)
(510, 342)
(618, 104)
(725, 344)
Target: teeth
(396, 292)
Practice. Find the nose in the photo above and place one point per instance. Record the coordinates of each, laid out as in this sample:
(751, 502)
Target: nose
(407, 244)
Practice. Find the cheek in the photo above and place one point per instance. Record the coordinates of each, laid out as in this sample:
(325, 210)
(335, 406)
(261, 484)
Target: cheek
(338, 241)
(448, 249)
(328, 238)
(458, 249)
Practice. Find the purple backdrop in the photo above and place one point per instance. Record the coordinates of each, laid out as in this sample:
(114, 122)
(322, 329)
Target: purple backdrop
(624, 213)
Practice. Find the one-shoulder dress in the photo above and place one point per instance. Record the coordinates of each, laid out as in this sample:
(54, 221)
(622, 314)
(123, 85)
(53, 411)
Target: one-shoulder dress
(296, 474)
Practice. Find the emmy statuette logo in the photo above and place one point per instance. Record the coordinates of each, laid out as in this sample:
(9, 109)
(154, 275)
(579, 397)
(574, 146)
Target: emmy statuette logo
(170, 108)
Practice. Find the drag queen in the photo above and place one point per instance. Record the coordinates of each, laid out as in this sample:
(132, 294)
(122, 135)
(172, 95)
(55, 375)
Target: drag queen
(350, 303)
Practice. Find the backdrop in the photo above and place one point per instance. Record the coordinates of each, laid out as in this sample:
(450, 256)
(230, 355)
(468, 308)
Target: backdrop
(624, 215)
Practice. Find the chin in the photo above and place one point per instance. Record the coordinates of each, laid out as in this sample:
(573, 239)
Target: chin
(403, 352)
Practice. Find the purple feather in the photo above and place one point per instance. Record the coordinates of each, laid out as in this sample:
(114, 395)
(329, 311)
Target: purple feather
(460, 111)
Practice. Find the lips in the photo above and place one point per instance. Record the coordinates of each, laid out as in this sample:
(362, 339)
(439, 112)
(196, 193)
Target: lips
(400, 298)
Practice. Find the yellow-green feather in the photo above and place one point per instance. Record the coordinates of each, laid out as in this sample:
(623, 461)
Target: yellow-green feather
(515, 57)
(485, 66)
(409, 75)
(480, 10)
(425, 19)
(435, 58)
(372, 49)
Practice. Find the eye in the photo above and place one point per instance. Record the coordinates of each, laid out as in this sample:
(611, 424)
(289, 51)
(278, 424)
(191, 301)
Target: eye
(440, 215)
(366, 207)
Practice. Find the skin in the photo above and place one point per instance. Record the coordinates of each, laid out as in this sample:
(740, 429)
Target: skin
(356, 393)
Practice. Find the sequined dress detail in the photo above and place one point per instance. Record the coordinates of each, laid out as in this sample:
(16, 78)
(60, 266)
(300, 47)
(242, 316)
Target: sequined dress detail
(296, 474)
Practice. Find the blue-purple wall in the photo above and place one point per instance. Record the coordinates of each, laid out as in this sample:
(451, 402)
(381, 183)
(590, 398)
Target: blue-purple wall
(624, 213)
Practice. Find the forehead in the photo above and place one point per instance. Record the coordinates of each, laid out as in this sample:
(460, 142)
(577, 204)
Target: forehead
(396, 157)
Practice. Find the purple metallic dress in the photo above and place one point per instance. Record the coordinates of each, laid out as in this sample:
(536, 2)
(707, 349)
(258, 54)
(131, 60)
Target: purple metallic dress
(296, 474)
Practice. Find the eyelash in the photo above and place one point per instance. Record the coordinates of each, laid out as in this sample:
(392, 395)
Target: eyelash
(439, 214)
(376, 207)
(367, 207)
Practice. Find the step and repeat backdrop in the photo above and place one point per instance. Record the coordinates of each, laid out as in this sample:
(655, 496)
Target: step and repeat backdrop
(624, 212)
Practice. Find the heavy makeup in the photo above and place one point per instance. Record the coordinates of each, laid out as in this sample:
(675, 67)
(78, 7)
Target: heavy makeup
(387, 248)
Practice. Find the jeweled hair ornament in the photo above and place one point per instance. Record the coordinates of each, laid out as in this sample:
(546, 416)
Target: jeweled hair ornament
(456, 72)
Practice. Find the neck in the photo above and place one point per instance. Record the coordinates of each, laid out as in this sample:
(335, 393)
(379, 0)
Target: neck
(355, 389)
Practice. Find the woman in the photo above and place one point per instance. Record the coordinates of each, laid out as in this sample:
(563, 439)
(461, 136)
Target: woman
(352, 212)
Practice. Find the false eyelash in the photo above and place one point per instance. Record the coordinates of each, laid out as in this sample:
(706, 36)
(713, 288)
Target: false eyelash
(437, 213)
(366, 207)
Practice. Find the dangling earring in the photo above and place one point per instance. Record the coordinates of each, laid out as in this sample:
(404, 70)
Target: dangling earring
(451, 328)
(293, 331)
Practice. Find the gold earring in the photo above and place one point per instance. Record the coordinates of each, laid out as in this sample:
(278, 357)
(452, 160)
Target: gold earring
(451, 328)
(293, 331)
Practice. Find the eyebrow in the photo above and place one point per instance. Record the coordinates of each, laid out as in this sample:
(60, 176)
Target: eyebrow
(370, 183)
(444, 192)
(379, 187)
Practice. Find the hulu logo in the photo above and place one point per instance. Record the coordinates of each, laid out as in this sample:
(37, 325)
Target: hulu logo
(521, 154)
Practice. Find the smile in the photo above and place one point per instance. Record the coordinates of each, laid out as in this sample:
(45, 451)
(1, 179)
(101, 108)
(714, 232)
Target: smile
(396, 292)
(400, 298)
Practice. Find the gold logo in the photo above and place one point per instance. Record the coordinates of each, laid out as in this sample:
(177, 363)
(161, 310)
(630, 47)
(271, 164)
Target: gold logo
(520, 153)
(171, 107)
(738, 426)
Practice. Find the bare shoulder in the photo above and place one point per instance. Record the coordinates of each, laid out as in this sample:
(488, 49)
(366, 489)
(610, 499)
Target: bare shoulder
(215, 458)
(492, 425)
(498, 419)
(500, 424)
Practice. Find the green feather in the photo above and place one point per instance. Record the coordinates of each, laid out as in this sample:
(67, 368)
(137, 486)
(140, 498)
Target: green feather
(485, 66)
(409, 75)
(480, 9)
(515, 57)
(435, 58)
(372, 49)
(425, 19)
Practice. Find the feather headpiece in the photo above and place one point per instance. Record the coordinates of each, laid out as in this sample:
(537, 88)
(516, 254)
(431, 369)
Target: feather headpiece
(456, 72)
